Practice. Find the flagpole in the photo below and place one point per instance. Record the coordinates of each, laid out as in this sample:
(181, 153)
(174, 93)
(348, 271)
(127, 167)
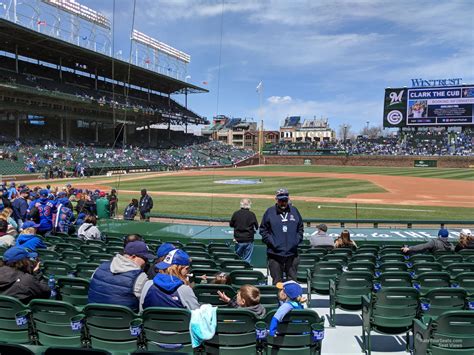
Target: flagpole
(260, 93)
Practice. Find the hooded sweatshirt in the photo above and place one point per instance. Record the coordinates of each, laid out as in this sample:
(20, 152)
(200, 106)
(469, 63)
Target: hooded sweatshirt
(87, 231)
(438, 244)
(119, 281)
(30, 241)
(321, 239)
(168, 291)
(46, 208)
(258, 309)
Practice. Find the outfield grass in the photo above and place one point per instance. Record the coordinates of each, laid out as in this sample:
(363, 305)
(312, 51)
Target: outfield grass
(324, 187)
(224, 207)
(455, 174)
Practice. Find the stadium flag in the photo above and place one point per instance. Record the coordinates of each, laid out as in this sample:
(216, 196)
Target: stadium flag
(260, 87)
(147, 61)
(41, 22)
(205, 83)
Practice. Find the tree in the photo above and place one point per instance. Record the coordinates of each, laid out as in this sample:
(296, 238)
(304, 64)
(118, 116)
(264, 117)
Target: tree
(371, 132)
(345, 132)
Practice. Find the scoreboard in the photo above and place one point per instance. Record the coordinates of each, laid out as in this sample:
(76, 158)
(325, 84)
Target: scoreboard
(429, 106)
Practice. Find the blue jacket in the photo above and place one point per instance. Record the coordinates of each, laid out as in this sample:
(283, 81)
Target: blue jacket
(30, 241)
(107, 287)
(20, 209)
(64, 216)
(46, 209)
(164, 292)
(282, 232)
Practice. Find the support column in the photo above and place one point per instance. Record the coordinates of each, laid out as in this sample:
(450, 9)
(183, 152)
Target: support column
(95, 76)
(149, 133)
(68, 131)
(124, 141)
(61, 129)
(16, 59)
(96, 132)
(61, 69)
(17, 126)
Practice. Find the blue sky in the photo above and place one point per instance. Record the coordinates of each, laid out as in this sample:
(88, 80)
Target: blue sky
(315, 58)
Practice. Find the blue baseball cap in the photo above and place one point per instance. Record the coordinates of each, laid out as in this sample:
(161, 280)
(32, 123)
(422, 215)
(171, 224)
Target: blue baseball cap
(164, 249)
(282, 194)
(292, 289)
(443, 233)
(44, 192)
(174, 257)
(29, 224)
(14, 254)
(61, 194)
(138, 248)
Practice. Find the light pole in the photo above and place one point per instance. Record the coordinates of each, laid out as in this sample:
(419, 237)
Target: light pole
(367, 129)
(345, 135)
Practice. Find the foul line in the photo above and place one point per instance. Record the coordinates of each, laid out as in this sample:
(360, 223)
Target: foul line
(378, 208)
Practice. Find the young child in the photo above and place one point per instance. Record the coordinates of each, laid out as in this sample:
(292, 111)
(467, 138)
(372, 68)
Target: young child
(221, 278)
(248, 297)
(291, 297)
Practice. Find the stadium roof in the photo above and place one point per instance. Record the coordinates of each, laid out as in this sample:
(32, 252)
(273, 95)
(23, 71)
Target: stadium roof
(49, 49)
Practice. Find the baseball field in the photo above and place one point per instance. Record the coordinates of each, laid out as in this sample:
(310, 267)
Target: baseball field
(318, 191)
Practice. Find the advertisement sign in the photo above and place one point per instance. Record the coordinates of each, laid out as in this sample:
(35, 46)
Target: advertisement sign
(425, 163)
(437, 106)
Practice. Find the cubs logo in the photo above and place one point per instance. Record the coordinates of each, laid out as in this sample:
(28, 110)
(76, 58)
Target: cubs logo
(394, 117)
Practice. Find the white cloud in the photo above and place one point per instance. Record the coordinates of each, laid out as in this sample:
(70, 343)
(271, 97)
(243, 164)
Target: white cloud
(279, 99)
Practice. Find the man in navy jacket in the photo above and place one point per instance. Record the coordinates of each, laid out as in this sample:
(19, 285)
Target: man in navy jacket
(282, 231)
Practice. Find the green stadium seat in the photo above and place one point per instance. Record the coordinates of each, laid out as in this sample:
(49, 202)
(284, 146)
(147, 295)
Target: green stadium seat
(394, 279)
(52, 320)
(361, 266)
(466, 252)
(392, 258)
(469, 259)
(235, 333)
(73, 257)
(61, 247)
(392, 266)
(446, 260)
(449, 334)
(115, 243)
(318, 280)
(389, 311)
(457, 268)
(231, 265)
(113, 249)
(269, 296)
(373, 249)
(74, 351)
(54, 239)
(85, 270)
(390, 249)
(198, 254)
(10, 332)
(207, 293)
(440, 253)
(108, 327)
(440, 300)
(338, 258)
(196, 244)
(100, 257)
(465, 280)
(247, 277)
(75, 241)
(89, 249)
(197, 275)
(194, 248)
(98, 243)
(294, 333)
(167, 329)
(218, 249)
(430, 280)
(15, 349)
(73, 290)
(427, 266)
(220, 256)
(57, 268)
(421, 258)
(320, 252)
(45, 254)
(344, 251)
(346, 292)
(371, 258)
(202, 263)
(307, 261)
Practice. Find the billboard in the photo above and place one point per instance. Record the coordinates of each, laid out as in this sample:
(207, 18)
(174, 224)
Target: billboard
(434, 106)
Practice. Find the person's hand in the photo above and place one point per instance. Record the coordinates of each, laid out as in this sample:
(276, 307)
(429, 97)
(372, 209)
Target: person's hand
(303, 299)
(405, 249)
(234, 241)
(37, 267)
(204, 277)
(223, 297)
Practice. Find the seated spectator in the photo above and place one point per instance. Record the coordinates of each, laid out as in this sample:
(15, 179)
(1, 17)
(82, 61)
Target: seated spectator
(88, 229)
(221, 278)
(6, 240)
(28, 238)
(121, 280)
(6, 215)
(132, 238)
(161, 253)
(20, 277)
(439, 244)
(466, 240)
(291, 297)
(344, 241)
(131, 210)
(248, 297)
(170, 288)
(320, 238)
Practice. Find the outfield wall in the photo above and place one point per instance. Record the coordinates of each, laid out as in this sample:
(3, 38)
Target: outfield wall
(369, 160)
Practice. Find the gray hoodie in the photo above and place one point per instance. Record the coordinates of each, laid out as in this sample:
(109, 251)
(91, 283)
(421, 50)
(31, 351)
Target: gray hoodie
(258, 309)
(321, 239)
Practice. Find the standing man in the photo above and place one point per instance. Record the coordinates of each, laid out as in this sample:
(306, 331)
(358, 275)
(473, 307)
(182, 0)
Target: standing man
(20, 207)
(145, 205)
(103, 206)
(245, 225)
(282, 231)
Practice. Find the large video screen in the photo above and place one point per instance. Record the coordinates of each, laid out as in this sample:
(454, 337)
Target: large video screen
(429, 106)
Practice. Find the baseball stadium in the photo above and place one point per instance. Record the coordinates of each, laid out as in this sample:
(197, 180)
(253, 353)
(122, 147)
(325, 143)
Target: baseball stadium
(122, 231)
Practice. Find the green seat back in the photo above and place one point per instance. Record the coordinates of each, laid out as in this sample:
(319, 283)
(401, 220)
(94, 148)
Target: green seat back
(393, 309)
(207, 293)
(339, 258)
(421, 258)
(269, 296)
(466, 281)
(73, 290)
(45, 254)
(202, 263)
(85, 270)
(446, 260)
(390, 258)
(361, 266)
(89, 249)
(53, 239)
(220, 256)
(194, 248)
(235, 331)
(199, 254)
(320, 252)
(344, 251)
(431, 280)
(230, 265)
(167, 329)
(427, 266)
(323, 272)
(108, 327)
(73, 257)
(195, 244)
(456, 268)
(100, 257)
(444, 299)
(57, 268)
(61, 247)
(390, 249)
(114, 249)
(52, 321)
(393, 266)
(453, 327)
(294, 331)
(9, 331)
(394, 279)
(247, 277)
(370, 258)
(373, 249)
(198, 273)
(351, 286)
